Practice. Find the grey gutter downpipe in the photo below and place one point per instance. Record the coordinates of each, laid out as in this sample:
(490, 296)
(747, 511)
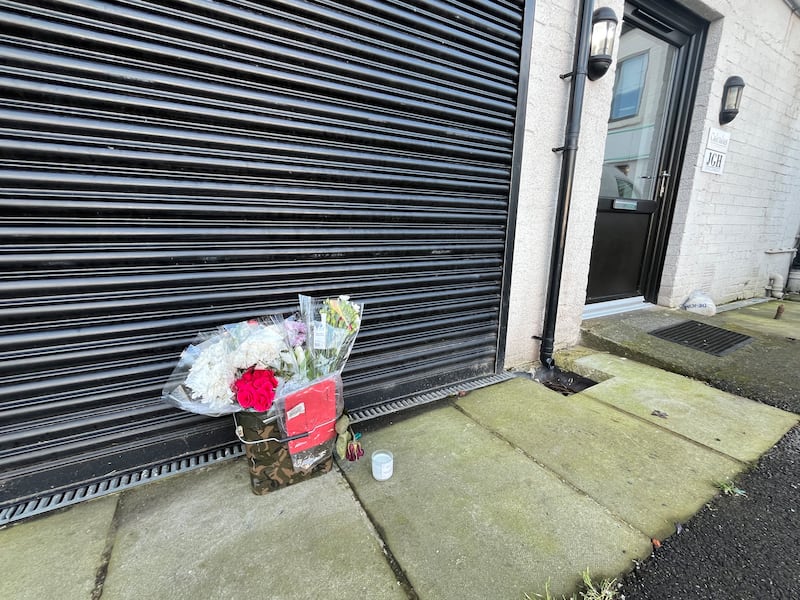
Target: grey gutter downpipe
(570, 148)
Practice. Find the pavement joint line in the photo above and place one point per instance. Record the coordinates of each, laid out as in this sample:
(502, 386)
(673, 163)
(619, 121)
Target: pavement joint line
(105, 558)
(391, 560)
(744, 463)
(559, 477)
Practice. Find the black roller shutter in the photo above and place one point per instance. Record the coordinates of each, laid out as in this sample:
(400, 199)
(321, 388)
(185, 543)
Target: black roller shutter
(169, 166)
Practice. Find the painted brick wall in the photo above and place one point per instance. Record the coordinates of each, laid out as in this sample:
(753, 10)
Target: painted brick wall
(723, 224)
(553, 46)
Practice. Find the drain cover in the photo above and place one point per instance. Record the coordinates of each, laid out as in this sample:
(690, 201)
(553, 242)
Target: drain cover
(706, 338)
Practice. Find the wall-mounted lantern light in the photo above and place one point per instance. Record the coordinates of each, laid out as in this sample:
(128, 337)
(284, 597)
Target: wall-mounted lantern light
(604, 29)
(731, 98)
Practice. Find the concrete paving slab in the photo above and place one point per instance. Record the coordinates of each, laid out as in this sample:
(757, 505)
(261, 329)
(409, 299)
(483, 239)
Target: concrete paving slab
(736, 426)
(760, 318)
(205, 535)
(764, 370)
(56, 556)
(644, 474)
(467, 515)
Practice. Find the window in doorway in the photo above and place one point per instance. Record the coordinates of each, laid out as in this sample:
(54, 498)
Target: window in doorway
(628, 86)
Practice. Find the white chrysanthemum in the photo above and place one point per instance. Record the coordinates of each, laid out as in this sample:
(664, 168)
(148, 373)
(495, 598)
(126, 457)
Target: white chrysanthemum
(261, 347)
(211, 375)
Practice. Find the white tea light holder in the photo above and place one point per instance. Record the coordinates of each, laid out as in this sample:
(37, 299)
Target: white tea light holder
(382, 465)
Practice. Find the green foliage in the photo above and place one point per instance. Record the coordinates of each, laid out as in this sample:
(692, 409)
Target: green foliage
(606, 590)
(729, 488)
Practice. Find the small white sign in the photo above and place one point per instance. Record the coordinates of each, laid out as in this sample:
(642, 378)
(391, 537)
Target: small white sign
(718, 140)
(320, 329)
(713, 161)
(295, 412)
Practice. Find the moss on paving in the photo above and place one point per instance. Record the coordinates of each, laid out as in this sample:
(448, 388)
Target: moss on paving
(763, 370)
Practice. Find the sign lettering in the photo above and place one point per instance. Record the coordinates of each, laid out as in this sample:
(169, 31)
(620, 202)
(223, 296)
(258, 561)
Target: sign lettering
(713, 161)
(718, 140)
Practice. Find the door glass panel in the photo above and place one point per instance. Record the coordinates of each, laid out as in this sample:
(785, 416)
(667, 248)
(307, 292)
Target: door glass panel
(642, 87)
(629, 86)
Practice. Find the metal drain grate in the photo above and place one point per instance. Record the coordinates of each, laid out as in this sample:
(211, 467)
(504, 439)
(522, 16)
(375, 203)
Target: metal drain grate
(706, 338)
(381, 410)
(29, 508)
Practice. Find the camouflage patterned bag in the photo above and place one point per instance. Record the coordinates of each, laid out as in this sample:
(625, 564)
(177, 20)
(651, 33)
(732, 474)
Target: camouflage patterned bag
(269, 461)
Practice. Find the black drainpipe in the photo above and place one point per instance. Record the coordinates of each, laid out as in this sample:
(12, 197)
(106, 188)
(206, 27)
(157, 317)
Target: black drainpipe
(570, 148)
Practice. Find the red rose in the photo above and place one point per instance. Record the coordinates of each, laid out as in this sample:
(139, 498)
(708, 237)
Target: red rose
(256, 389)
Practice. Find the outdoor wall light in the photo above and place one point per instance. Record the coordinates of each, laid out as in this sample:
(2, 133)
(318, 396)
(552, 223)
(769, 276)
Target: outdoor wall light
(731, 97)
(604, 28)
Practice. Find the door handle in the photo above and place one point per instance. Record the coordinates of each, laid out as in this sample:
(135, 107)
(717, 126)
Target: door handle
(663, 176)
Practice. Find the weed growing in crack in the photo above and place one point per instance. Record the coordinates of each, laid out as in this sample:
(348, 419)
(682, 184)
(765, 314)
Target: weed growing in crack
(729, 488)
(606, 590)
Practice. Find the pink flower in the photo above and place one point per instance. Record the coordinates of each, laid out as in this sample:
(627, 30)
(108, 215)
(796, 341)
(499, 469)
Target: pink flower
(354, 451)
(296, 331)
(256, 389)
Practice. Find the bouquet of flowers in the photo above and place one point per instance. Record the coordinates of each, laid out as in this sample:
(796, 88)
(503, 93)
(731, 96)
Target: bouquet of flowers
(268, 365)
(332, 324)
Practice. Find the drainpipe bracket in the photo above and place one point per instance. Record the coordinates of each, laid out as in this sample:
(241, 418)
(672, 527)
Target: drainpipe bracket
(570, 145)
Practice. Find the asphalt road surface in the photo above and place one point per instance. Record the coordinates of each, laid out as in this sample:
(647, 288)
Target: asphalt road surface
(738, 547)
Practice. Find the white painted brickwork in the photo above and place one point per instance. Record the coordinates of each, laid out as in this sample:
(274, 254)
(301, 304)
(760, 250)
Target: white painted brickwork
(723, 224)
(553, 45)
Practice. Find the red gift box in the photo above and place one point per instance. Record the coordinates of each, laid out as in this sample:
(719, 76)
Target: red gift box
(312, 410)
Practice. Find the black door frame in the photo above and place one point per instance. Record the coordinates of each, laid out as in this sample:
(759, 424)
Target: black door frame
(675, 24)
